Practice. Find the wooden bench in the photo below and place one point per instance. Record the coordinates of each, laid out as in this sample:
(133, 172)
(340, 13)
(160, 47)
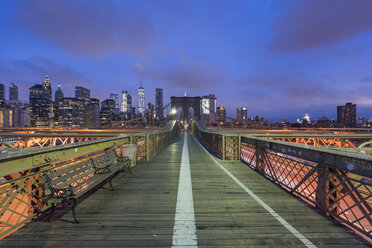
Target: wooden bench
(66, 185)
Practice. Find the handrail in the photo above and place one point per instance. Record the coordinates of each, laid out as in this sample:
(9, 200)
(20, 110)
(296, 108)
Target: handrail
(21, 170)
(338, 181)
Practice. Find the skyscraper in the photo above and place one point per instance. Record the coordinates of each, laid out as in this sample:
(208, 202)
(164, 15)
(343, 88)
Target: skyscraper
(91, 113)
(107, 110)
(13, 92)
(159, 103)
(209, 109)
(71, 112)
(124, 103)
(221, 114)
(129, 105)
(141, 100)
(47, 90)
(2, 92)
(346, 115)
(115, 97)
(58, 99)
(83, 94)
(47, 95)
(58, 95)
(241, 114)
(39, 106)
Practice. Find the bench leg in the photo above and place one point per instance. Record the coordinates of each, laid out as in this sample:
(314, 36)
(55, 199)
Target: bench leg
(73, 210)
(111, 188)
(51, 212)
(130, 170)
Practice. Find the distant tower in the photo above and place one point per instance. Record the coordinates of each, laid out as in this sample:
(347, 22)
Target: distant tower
(47, 95)
(126, 102)
(82, 94)
(47, 90)
(115, 97)
(2, 92)
(13, 92)
(159, 103)
(346, 115)
(129, 103)
(58, 97)
(141, 100)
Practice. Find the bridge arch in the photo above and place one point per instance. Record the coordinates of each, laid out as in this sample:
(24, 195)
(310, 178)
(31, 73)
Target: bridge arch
(187, 103)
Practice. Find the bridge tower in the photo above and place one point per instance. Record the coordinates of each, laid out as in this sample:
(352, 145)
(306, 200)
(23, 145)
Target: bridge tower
(185, 103)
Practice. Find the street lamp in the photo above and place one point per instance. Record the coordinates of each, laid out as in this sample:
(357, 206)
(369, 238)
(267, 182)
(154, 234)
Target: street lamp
(173, 111)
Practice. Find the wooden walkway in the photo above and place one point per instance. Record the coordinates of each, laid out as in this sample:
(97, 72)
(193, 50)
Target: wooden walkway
(141, 210)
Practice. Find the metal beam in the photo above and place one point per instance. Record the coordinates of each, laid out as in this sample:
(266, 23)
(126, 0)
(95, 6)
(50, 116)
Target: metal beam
(360, 164)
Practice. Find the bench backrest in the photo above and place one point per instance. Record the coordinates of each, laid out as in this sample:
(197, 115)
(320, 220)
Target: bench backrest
(78, 172)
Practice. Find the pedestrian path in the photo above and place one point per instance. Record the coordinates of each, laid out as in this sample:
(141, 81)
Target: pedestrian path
(184, 197)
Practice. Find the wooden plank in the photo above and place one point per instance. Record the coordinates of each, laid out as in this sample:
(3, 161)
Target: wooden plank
(140, 212)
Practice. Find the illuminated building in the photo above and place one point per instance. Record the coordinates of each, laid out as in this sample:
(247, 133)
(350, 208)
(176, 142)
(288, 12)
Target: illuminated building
(71, 112)
(13, 92)
(40, 97)
(115, 97)
(346, 115)
(92, 113)
(241, 114)
(126, 104)
(159, 103)
(209, 109)
(107, 112)
(141, 100)
(82, 94)
(2, 92)
(130, 115)
(306, 119)
(58, 96)
(221, 114)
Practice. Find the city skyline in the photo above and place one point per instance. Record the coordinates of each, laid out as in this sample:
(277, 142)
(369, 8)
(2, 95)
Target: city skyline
(245, 52)
(125, 96)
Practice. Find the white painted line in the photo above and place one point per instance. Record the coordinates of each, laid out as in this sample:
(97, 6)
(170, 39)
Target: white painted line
(282, 221)
(184, 231)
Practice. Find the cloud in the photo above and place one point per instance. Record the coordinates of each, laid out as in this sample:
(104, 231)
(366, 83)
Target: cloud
(26, 73)
(311, 24)
(185, 75)
(36, 68)
(93, 28)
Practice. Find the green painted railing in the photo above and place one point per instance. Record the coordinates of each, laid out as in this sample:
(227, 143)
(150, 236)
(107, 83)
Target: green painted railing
(22, 195)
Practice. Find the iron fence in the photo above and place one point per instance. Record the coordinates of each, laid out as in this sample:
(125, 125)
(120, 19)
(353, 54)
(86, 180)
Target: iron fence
(339, 183)
(22, 196)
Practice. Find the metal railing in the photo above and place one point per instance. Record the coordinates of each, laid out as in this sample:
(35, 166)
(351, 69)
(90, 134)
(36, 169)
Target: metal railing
(22, 195)
(338, 182)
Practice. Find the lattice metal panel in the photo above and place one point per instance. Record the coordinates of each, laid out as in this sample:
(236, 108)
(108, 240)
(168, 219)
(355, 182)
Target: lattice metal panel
(231, 147)
(20, 200)
(22, 195)
(291, 173)
(344, 196)
(152, 143)
(325, 142)
(140, 140)
(248, 155)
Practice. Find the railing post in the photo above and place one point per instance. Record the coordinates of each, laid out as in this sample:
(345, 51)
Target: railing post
(327, 184)
(223, 147)
(322, 188)
(147, 141)
(260, 164)
(239, 146)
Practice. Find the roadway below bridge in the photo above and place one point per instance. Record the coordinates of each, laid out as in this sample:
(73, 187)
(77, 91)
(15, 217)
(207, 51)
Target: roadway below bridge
(184, 197)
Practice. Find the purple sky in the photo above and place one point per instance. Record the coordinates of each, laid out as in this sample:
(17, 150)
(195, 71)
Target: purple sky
(277, 58)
